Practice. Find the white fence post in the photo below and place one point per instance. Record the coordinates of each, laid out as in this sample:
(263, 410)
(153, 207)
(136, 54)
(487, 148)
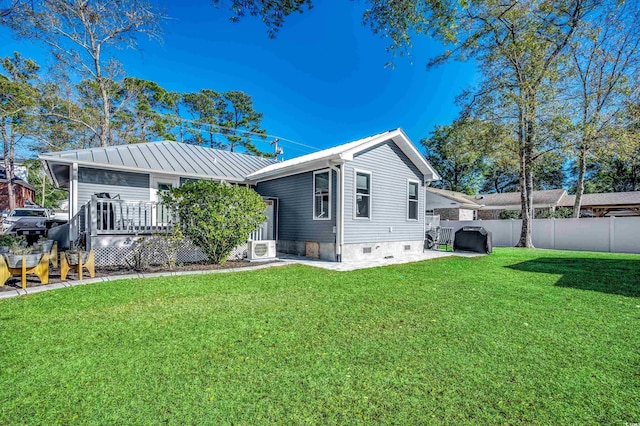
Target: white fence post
(612, 231)
(511, 234)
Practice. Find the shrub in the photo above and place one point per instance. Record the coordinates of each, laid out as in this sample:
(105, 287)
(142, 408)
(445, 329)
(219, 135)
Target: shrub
(510, 214)
(7, 240)
(559, 213)
(217, 217)
(159, 249)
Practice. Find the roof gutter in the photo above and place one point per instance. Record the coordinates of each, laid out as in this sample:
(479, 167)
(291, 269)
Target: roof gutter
(295, 169)
(49, 172)
(139, 170)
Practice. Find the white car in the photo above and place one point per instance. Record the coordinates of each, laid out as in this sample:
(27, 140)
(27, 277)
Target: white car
(21, 212)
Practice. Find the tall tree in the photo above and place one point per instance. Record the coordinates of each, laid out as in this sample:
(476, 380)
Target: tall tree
(17, 104)
(606, 62)
(501, 173)
(272, 12)
(456, 152)
(619, 169)
(149, 115)
(519, 47)
(82, 35)
(62, 121)
(206, 108)
(520, 43)
(241, 122)
(46, 194)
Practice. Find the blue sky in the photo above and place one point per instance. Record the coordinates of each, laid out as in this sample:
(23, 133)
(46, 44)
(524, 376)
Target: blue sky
(321, 82)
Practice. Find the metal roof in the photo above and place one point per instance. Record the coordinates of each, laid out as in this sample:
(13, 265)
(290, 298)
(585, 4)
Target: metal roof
(167, 156)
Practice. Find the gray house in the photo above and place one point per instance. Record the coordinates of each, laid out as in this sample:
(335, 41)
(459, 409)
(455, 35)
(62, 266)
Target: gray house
(363, 199)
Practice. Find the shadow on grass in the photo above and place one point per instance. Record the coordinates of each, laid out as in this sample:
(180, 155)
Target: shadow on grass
(604, 275)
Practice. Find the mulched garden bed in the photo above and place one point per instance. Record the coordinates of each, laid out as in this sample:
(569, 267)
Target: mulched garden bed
(110, 271)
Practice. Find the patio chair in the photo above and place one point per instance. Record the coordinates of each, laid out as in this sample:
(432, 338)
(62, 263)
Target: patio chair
(440, 236)
(445, 238)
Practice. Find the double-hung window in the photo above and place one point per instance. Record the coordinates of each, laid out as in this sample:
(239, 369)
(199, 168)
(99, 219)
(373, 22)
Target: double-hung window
(412, 200)
(322, 195)
(363, 195)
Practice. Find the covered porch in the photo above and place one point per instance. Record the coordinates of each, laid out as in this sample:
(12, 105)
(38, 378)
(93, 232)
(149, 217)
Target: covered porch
(111, 227)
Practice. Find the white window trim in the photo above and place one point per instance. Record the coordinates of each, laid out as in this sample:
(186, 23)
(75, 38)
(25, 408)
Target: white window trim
(355, 194)
(409, 201)
(313, 208)
(157, 179)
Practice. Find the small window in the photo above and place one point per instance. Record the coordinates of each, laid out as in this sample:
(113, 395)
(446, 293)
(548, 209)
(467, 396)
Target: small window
(363, 195)
(322, 195)
(412, 198)
(164, 186)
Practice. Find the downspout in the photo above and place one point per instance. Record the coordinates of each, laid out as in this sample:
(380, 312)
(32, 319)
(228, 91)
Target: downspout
(339, 206)
(424, 210)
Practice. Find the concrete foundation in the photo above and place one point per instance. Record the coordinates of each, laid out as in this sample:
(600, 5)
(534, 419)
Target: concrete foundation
(324, 251)
(381, 250)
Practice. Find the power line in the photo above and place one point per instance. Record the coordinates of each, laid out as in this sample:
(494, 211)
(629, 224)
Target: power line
(262, 135)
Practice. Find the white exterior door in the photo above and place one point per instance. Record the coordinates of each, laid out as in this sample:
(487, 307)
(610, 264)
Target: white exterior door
(159, 215)
(269, 226)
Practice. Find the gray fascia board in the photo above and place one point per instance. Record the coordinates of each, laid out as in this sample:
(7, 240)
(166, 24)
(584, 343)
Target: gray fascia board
(294, 170)
(52, 178)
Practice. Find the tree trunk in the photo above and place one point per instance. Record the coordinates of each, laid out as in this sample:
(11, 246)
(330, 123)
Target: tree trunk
(582, 168)
(105, 123)
(8, 153)
(526, 201)
(526, 174)
(105, 120)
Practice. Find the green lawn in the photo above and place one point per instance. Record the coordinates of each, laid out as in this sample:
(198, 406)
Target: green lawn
(521, 336)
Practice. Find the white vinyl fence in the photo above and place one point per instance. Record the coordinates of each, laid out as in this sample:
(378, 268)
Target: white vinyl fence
(612, 234)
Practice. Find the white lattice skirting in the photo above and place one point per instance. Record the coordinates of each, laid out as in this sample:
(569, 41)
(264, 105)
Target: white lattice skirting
(124, 252)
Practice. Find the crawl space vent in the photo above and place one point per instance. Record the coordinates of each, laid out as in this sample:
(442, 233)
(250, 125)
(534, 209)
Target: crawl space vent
(366, 250)
(407, 247)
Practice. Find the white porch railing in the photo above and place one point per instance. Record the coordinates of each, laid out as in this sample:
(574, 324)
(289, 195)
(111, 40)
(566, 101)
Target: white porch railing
(114, 217)
(257, 235)
(107, 216)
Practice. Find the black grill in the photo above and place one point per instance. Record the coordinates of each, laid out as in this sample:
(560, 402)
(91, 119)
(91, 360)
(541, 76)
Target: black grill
(473, 238)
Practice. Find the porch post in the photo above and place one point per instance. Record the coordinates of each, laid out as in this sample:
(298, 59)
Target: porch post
(73, 202)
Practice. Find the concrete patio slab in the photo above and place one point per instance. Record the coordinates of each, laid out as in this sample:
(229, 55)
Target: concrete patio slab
(363, 264)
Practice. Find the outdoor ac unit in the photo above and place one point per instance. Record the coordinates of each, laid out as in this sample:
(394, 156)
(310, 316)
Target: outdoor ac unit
(263, 249)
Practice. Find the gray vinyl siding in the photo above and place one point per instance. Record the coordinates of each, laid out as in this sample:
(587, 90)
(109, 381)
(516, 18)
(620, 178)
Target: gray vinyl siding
(130, 186)
(390, 168)
(295, 209)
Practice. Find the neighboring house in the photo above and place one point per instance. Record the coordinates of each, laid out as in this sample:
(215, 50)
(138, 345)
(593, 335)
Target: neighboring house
(451, 205)
(606, 204)
(24, 192)
(488, 206)
(494, 204)
(363, 199)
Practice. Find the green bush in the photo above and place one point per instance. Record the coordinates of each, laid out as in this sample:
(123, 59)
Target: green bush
(217, 217)
(559, 213)
(159, 249)
(510, 214)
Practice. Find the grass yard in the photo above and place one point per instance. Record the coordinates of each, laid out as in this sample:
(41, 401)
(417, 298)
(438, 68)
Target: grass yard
(522, 336)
